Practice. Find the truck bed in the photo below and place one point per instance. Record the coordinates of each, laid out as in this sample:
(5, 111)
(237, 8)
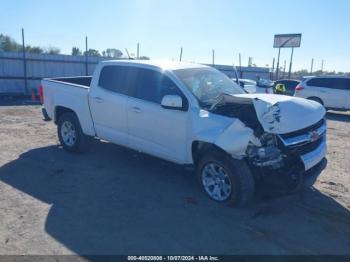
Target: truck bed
(83, 81)
(69, 93)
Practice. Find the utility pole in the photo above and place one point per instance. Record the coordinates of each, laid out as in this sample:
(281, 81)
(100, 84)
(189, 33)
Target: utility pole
(284, 68)
(24, 64)
(273, 68)
(312, 65)
(278, 63)
(322, 64)
(290, 64)
(180, 54)
(138, 51)
(240, 66)
(213, 56)
(86, 56)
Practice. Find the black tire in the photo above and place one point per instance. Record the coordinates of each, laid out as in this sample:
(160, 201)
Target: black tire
(241, 178)
(316, 99)
(82, 142)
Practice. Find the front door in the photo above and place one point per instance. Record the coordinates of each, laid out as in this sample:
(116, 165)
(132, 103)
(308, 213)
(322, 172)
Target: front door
(152, 128)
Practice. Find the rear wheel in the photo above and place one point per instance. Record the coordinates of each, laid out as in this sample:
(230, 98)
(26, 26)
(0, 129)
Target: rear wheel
(225, 179)
(71, 135)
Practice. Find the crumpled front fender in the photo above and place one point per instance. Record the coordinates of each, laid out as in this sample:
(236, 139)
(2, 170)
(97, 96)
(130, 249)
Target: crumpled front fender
(233, 137)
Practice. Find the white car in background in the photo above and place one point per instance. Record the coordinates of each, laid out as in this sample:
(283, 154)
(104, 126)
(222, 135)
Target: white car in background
(248, 85)
(333, 92)
(263, 86)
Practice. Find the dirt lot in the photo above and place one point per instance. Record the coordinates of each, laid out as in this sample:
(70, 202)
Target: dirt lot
(114, 201)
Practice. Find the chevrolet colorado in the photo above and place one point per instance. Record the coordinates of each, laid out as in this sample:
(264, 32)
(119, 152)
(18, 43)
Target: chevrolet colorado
(193, 115)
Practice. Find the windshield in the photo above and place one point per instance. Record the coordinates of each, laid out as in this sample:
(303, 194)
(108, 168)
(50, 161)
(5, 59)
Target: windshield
(207, 84)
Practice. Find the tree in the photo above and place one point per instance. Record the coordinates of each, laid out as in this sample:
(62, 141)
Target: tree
(8, 44)
(144, 58)
(52, 50)
(112, 52)
(34, 49)
(92, 52)
(76, 51)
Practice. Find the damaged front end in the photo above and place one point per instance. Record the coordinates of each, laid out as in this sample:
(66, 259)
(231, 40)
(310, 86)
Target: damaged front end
(266, 155)
(277, 145)
(261, 148)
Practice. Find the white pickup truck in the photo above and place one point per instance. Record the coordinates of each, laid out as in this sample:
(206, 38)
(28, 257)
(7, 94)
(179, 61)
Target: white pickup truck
(192, 115)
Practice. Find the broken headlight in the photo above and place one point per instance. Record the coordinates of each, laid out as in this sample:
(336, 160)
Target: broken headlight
(267, 154)
(268, 139)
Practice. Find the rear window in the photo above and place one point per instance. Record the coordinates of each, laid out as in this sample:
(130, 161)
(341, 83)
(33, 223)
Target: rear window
(119, 79)
(291, 84)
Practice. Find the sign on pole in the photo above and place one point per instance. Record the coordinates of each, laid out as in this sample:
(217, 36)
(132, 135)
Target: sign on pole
(287, 40)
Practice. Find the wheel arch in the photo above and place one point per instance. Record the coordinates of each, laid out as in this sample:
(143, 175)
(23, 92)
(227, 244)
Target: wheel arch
(60, 110)
(85, 121)
(316, 98)
(199, 148)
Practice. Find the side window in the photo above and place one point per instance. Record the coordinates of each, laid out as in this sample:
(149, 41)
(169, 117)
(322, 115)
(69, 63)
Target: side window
(118, 79)
(147, 86)
(347, 81)
(152, 86)
(341, 83)
(320, 82)
(168, 87)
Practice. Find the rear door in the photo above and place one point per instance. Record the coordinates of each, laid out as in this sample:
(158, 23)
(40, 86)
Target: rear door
(347, 81)
(341, 87)
(152, 128)
(108, 102)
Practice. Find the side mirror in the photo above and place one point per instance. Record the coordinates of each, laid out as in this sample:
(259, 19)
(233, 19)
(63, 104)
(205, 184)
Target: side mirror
(241, 84)
(172, 102)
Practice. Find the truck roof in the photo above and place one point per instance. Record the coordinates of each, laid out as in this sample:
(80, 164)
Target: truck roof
(161, 64)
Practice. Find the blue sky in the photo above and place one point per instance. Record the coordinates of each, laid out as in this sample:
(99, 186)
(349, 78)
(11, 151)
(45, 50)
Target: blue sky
(163, 26)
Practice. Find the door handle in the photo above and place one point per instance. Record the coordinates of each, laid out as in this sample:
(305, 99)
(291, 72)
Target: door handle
(136, 109)
(98, 99)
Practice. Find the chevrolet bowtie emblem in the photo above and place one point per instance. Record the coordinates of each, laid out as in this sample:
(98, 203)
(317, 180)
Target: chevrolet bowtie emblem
(314, 136)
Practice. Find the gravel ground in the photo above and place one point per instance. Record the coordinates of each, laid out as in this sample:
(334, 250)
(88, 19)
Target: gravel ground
(112, 200)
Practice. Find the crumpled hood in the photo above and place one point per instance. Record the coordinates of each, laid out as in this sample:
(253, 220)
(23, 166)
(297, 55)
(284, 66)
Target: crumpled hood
(279, 114)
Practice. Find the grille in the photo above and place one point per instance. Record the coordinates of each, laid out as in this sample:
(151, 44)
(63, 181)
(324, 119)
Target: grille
(302, 147)
(305, 148)
(305, 130)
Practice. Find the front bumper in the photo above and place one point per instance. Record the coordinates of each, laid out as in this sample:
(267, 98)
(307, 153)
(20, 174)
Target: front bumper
(314, 157)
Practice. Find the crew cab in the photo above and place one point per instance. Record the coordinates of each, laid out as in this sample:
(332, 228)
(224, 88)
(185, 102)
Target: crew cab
(192, 115)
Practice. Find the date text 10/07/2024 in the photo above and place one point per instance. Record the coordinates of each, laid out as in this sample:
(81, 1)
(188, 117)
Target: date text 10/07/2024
(173, 258)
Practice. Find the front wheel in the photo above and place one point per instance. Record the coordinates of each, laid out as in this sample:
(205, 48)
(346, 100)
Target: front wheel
(71, 135)
(225, 179)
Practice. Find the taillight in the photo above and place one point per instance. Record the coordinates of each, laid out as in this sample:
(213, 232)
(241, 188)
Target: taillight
(41, 94)
(299, 88)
